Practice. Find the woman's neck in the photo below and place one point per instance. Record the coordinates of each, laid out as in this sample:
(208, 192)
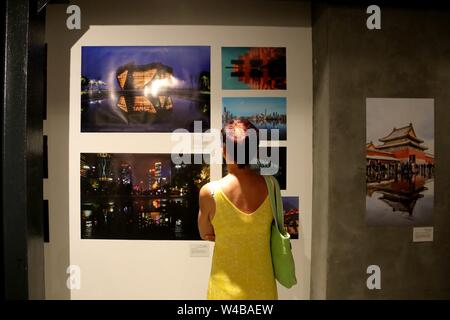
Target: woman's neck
(239, 172)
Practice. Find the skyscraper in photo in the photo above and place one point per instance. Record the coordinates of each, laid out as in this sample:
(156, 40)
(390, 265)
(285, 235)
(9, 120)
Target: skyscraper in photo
(126, 177)
(104, 167)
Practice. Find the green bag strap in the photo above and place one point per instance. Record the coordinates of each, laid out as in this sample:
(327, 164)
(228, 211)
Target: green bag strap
(275, 200)
(271, 197)
(279, 204)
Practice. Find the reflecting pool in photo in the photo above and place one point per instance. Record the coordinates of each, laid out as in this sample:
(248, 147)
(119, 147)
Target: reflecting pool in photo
(145, 218)
(136, 113)
(140, 196)
(400, 202)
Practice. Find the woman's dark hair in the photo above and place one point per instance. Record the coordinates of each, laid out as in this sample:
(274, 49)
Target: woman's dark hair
(241, 140)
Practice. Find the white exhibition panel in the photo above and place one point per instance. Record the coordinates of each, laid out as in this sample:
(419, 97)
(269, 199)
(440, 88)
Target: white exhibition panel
(151, 269)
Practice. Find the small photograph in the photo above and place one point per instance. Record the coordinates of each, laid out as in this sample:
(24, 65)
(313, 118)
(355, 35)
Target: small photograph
(291, 215)
(400, 163)
(254, 68)
(264, 113)
(145, 89)
(140, 196)
(273, 159)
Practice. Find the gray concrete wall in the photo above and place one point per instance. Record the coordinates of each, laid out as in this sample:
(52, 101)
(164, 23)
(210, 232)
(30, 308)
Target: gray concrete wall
(408, 58)
(321, 142)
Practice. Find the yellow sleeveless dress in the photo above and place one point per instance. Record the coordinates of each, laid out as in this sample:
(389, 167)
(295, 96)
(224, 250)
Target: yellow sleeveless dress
(242, 263)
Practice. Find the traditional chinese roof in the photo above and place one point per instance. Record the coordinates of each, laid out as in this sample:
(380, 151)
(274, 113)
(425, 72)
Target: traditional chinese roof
(373, 151)
(401, 137)
(406, 132)
(370, 146)
(401, 143)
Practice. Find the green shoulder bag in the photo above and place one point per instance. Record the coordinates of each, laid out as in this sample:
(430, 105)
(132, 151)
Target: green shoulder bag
(280, 240)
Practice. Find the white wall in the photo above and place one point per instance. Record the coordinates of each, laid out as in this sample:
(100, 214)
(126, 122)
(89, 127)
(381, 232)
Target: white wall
(137, 269)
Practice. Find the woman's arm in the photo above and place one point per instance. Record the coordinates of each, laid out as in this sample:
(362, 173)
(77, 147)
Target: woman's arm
(207, 208)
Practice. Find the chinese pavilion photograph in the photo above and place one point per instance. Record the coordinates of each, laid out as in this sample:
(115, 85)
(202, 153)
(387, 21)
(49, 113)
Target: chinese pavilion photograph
(399, 162)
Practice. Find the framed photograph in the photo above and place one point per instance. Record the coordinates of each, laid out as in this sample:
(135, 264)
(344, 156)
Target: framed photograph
(140, 196)
(255, 68)
(265, 113)
(291, 215)
(145, 88)
(400, 164)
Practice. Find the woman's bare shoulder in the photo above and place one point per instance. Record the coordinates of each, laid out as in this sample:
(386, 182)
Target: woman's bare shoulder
(207, 189)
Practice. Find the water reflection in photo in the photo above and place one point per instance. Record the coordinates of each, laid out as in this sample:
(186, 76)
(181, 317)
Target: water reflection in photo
(400, 163)
(144, 89)
(139, 196)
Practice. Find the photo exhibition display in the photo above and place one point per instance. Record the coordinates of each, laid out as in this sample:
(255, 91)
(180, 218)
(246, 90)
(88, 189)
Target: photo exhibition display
(157, 89)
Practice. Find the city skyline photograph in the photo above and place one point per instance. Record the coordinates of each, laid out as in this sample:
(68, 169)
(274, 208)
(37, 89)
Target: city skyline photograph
(265, 113)
(139, 196)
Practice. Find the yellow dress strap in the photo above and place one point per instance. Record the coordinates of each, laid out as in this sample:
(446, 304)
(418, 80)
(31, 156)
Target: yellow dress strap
(213, 185)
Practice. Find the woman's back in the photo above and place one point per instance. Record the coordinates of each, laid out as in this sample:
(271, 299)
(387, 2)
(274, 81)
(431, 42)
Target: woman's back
(242, 263)
(247, 193)
(236, 213)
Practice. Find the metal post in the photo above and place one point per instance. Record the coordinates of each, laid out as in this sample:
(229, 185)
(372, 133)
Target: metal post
(22, 195)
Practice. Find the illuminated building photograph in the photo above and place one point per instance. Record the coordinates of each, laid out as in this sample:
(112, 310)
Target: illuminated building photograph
(254, 68)
(265, 113)
(400, 163)
(144, 89)
(139, 196)
(270, 157)
(291, 215)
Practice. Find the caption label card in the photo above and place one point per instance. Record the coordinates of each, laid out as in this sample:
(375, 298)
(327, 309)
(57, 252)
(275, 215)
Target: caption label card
(199, 250)
(423, 234)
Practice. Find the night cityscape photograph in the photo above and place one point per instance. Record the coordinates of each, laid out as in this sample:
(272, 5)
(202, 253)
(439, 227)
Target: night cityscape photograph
(291, 215)
(144, 89)
(139, 196)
